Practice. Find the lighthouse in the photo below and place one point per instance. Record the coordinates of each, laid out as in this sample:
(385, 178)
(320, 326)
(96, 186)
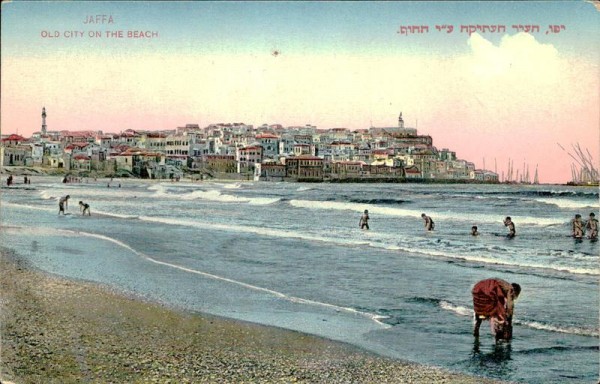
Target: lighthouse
(44, 128)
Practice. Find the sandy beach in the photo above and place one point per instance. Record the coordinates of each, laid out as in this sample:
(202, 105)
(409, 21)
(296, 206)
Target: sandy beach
(55, 330)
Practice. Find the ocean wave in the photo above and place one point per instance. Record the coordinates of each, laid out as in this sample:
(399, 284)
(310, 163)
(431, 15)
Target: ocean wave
(535, 193)
(510, 263)
(47, 195)
(570, 203)
(352, 206)
(370, 240)
(468, 312)
(232, 186)
(429, 247)
(458, 309)
(161, 191)
(214, 195)
(559, 329)
(438, 217)
(379, 201)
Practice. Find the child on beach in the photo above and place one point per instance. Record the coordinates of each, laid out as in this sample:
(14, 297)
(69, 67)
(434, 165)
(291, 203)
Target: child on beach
(364, 220)
(84, 208)
(429, 225)
(577, 227)
(592, 227)
(511, 227)
(63, 203)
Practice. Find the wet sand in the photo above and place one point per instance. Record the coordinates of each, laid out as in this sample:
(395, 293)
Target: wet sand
(55, 330)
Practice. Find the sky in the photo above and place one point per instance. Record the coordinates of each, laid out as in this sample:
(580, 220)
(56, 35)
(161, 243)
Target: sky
(492, 95)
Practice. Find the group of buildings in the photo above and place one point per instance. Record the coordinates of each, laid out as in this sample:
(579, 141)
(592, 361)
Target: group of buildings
(242, 151)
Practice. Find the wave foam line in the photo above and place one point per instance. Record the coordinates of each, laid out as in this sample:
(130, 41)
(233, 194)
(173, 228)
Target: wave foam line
(280, 295)
(450, 216)
(232, 186)
(553, 328)
(261, 231)
(347, 242)
(569, 203)
(485, 260)
(464, 311)
(460, 310)
(214, 195)
(161, 191)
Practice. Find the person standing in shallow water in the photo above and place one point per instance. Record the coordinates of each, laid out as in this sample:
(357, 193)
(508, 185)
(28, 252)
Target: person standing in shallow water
(577, 227)
(474, 231)
(493, 299)
(363, 223)
(592, 227)
(63, 203)
(429, 225)
(84, 207)
(511, 227)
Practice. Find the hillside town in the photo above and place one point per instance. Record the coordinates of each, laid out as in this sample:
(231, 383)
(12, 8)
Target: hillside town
(243, 152)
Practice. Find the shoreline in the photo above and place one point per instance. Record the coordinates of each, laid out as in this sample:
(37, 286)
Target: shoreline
(57, 330)
(20, 171)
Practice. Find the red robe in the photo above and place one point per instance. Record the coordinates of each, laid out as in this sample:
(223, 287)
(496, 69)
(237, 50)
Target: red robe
(491, 298)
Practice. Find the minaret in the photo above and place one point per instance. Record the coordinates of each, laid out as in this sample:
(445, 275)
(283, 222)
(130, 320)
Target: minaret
(400, 121)
(44, 121)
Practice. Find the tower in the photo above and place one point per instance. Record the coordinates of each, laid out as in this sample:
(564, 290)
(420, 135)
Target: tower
(400, 121)
(44, 121)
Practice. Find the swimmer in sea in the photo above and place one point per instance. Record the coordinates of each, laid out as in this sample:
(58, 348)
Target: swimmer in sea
(511, 227)
(474, 231)
(577, 227)
(592, 227)
(364, 220)
(429, 225)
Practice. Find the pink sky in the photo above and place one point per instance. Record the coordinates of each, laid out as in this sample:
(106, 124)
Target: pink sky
(516, 99)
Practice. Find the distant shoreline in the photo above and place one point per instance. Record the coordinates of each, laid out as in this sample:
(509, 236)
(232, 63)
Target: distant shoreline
(225, 177)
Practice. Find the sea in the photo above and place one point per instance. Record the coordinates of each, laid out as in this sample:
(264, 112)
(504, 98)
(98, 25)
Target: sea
(292, 255)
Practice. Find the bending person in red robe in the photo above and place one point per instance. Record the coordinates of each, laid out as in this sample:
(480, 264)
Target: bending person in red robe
(493, 299)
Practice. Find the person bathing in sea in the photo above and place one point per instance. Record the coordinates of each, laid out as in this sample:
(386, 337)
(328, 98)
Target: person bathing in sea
(84, 207)
(364, 220)
(474, 231)
(63, 203)
(577, 227)
(429, 225)
(592, 227)
(494, 300)
(511, 227)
